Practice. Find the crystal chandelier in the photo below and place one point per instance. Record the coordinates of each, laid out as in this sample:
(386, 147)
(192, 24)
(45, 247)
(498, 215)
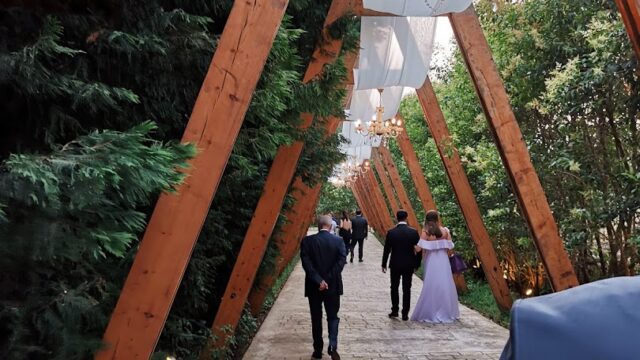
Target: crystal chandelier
(350, 171)
(377, 128)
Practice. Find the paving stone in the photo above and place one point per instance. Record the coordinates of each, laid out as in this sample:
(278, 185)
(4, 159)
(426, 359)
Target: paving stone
(365, 330)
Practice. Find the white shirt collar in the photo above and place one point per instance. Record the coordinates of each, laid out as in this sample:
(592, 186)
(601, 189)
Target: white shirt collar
(402, 222)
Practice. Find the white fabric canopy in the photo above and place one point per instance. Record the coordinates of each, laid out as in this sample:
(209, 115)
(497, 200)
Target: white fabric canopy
(417, 7)
(394, 51)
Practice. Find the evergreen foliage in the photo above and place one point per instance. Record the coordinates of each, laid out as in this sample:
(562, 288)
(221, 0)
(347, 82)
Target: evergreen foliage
(336, 199)
(68, 69)
(71, 217)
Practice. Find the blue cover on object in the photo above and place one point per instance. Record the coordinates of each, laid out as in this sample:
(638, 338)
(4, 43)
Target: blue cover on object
(596, 321)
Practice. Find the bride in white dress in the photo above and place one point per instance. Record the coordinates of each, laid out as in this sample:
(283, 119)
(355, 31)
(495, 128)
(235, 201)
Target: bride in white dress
(438, 302)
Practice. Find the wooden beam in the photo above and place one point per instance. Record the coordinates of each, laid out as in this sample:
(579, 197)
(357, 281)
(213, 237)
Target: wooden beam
(360, 10)
(387, 160)
(299, 218)
(152, 283)
(254, 244)
(363, 205)
(512, 148)
(373, 212)
(630, 11)
(386, 183)
(356, 195)
(266, 214)
(462, 189)
(380, 204)
(413, 164)
(368, 210)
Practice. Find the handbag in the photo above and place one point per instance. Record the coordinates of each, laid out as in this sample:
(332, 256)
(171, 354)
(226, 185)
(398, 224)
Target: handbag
(457, 264)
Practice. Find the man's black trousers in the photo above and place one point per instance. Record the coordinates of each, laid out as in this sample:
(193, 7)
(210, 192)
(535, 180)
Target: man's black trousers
(331, 306)
(405, 275)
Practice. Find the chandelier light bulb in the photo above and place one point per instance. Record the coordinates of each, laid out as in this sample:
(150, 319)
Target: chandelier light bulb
(393, 121)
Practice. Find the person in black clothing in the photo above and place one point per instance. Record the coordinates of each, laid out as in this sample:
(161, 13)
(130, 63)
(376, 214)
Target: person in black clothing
(359, 232)
(323, 257)
(345, 230)
(400, 242)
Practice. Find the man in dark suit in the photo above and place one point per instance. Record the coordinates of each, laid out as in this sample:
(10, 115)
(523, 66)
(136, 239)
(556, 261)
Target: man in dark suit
(323, 257)
(359, 232)
(400, 242)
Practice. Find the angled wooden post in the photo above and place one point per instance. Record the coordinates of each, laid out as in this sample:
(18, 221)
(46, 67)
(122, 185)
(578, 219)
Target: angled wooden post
(277, 183)
(387, 160)
(152, 283)
(630, 11)
(375, 212)
(413, 164)
(372, 211)
(462, 189)
(373, 188)
(356, 195)
(364, 204)
(299, 218)
(386, 183)
(512, 148)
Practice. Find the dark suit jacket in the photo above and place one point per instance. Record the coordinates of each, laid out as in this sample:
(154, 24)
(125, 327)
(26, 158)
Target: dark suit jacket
(359, 227)
(399, 243)
(323, 257)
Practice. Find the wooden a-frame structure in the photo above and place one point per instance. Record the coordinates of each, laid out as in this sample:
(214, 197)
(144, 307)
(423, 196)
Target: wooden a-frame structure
(152, 283)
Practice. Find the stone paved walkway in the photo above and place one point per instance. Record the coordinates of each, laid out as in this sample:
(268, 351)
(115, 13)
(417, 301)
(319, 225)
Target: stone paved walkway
(365, 330)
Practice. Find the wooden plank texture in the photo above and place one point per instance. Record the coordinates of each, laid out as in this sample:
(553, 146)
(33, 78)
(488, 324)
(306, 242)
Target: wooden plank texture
(462, 189)
(413, 164)
(299, 218)
(152, 283)
(368, 211)
(394, 203)
(373, 188)
(512, 148)
(630, 11)
(390, 166)
(268, 209)
(255, 243)
(371, 212)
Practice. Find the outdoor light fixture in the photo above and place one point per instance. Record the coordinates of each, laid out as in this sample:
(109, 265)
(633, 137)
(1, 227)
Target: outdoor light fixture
(349, 171)
(378, 128)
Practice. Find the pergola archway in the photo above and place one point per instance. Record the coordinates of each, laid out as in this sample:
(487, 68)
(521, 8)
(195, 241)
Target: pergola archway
(218, 113)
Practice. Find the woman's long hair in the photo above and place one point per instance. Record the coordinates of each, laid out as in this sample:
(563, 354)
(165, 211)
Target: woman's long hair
(345, 216)
(431, 224)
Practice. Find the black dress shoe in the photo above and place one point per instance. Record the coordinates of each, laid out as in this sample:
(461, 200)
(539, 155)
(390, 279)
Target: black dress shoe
(405, 317)
(316, 355)
(351, 261)
(333, 353)
(360, 260)
(393, 315)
